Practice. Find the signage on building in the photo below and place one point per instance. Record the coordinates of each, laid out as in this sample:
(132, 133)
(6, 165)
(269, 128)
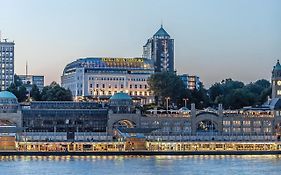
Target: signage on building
(140, 60)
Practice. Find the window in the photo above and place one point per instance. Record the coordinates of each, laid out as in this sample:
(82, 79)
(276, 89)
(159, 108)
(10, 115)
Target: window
(226, 122)
(246, 123)
(122, 86)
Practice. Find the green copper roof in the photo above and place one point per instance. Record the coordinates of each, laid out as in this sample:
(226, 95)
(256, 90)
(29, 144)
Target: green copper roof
(161, 32)
(121, 96)
(6, 94)
(277, 66)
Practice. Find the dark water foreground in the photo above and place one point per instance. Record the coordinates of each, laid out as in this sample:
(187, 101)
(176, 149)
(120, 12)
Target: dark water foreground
(86, 165)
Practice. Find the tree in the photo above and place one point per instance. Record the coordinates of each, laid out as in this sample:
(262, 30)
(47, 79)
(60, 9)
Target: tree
(215, 91)
(200, 97)
(35, 93)
(54, 92)
(166, 84)
(235, 95)
(18, 89)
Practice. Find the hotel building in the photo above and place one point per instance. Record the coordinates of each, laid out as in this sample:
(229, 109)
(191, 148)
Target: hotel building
(100, 78)
(6, 64)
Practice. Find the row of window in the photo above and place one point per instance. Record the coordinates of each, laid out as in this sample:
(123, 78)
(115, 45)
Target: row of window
(7, 49)
(6, 54)
(131, 93)
(256, 130)
(247, 123)
(140, 86)
(116, 79)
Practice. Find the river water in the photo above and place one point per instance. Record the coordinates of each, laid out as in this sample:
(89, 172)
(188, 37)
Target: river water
(137, 165)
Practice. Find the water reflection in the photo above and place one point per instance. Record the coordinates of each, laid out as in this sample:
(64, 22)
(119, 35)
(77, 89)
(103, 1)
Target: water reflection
(197, 164)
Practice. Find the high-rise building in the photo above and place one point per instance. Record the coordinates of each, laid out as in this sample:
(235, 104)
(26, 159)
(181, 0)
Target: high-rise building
(6, 63)
(38, 80)
(160, 48)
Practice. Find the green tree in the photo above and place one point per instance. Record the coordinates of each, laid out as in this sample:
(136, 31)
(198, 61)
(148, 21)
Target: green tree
(35, 93)
(166, 84)
(54, 92)
(18, 89)
(234, 94)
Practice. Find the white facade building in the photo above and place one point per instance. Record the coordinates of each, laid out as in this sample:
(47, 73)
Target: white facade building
(100, 78)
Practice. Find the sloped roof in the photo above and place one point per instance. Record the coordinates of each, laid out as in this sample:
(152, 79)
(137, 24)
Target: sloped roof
(121, 96)
(275, 103)
(161, 32)
(277, 66)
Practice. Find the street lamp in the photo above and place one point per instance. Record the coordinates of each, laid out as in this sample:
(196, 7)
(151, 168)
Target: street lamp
(185, 101)
(167, 103)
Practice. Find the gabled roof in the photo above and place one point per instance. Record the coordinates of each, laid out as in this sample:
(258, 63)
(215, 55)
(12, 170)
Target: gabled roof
(161, 32)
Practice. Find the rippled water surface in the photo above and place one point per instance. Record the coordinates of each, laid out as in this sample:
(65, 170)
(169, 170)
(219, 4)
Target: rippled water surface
(31, 165)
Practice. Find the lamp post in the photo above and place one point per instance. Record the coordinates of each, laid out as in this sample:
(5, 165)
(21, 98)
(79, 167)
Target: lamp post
(185, 101)
(167, 103)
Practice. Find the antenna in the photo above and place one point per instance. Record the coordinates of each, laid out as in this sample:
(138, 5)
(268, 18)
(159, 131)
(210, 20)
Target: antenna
(0, 35)
(26, 69)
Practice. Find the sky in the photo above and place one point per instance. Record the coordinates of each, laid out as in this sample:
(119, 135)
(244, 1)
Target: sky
(214, 39)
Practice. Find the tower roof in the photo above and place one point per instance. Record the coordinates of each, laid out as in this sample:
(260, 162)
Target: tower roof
(6, 94)
(277, 66)
(161, 32)
(121, 96)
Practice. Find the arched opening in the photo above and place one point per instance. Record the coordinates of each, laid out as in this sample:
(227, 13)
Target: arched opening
(124, 124)
(206, 126)
(121, 124)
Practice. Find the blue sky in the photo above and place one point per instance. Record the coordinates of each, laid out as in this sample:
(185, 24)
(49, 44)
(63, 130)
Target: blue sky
(214, 39)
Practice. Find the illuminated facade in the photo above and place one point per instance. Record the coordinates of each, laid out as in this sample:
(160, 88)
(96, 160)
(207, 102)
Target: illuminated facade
(160, 48)
(191, 82)
(6, 64)
(100, 78)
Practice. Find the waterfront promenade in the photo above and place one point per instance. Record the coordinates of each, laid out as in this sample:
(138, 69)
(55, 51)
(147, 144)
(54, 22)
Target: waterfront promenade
(149, 148)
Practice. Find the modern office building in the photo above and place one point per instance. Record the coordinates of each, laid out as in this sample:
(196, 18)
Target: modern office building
(6, 63)
(100, 78)
(160, 48)
(30, 80)
(191, 82)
